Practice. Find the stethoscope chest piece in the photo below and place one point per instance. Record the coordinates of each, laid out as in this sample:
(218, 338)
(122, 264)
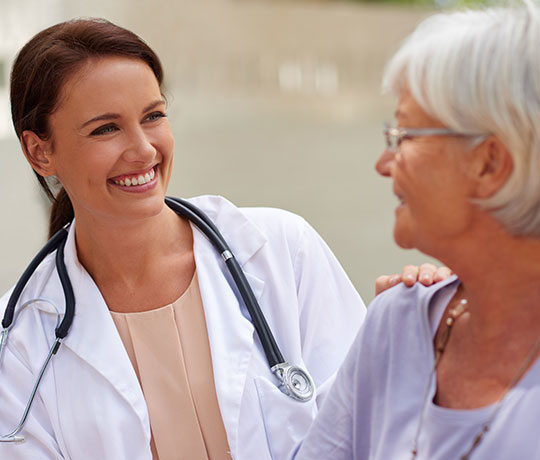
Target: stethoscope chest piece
(294, 381)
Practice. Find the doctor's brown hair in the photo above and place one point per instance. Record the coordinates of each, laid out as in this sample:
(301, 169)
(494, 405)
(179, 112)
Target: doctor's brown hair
(42, 67)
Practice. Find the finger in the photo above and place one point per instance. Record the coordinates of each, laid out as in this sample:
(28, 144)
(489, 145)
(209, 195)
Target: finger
(384, 282)
(381, 284)
(409, 275)
(427, 273)
(441, 274)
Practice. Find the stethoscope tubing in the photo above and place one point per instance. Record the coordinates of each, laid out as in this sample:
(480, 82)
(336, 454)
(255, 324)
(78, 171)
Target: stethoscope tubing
(12, 437)
(57, 240)
(63, 328)
(293, 380)
(203, 222)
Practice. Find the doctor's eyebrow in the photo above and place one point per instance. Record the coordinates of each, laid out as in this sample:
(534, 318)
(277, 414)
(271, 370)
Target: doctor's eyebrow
(103, 117)
(114, 116)
(153, 105)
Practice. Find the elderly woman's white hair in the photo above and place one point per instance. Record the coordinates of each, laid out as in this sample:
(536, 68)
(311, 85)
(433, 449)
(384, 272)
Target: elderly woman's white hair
(478, 72)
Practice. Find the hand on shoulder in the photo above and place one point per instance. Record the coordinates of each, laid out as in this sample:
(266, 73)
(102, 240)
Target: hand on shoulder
(427, 274)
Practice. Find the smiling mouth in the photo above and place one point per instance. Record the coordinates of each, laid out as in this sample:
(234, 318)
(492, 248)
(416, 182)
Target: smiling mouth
(400, 198)
(135, 179)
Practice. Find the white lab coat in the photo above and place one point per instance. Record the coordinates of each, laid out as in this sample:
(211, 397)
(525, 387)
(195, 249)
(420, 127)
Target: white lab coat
(90, 404)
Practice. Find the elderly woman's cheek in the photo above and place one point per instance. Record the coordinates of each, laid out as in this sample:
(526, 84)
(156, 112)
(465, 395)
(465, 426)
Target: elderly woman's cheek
(429, 219)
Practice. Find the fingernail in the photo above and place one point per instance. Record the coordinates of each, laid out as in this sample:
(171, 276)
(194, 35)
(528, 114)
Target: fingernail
(394, 279)
(409, 277)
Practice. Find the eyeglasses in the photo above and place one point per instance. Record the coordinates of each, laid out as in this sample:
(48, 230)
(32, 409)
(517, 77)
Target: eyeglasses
(394, 136)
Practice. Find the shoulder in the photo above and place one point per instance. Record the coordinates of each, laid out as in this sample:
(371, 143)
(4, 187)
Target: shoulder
(395, 330)
(35, 286)
(272, 223)
(4, 300)
(401, 307)
(275, 222)
(217, 207)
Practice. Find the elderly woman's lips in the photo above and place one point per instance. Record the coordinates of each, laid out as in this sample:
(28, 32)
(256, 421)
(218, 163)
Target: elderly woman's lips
(399, 196)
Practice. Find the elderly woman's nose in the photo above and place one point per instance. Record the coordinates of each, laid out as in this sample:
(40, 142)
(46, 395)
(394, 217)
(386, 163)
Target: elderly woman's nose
(384, 163)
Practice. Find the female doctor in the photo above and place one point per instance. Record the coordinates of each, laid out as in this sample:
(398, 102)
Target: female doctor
(161, 360)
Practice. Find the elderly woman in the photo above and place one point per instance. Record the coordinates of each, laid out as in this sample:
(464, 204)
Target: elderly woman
(451, 371)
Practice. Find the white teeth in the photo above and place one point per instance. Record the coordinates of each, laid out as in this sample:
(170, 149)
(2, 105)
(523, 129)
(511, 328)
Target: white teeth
(140, 180)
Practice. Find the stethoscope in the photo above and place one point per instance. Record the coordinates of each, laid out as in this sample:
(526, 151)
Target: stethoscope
(292, 380)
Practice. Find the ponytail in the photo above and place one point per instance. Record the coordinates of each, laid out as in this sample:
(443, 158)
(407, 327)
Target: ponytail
(61, 212)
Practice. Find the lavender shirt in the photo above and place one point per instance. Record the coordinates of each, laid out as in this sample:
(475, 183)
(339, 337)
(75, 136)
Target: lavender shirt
(373, 408)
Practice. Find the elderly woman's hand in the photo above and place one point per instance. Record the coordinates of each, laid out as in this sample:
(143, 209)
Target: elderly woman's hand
(427, 274)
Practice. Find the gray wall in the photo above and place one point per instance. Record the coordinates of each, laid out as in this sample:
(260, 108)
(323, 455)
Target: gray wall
(272, 103)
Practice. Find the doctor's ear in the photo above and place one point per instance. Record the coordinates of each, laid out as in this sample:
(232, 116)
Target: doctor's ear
(38, 153)
(492, 165)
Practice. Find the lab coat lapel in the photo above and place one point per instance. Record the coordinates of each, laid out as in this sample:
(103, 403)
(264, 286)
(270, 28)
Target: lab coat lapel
(243, 237)
(230, 332)
(94, 338)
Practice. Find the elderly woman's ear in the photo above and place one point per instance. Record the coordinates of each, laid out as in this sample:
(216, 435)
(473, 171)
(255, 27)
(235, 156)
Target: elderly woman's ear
(492, 165)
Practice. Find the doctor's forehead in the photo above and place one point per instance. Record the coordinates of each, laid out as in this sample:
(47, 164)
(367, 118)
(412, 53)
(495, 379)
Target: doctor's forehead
(109, 82)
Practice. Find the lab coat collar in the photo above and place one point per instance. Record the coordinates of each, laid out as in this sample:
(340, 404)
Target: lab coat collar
(244, 238)
(230, 332)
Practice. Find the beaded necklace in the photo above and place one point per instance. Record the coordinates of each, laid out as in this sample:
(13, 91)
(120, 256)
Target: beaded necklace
(440, 346)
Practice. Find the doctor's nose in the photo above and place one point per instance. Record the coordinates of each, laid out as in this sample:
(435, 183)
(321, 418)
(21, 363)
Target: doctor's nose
(384, 163)
(140, 148)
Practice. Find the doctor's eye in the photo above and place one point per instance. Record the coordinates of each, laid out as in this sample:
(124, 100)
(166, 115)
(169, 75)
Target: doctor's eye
(105, 129)
(155, 116)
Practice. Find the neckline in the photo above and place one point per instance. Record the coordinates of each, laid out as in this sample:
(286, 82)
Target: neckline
(440, 299)
(163, 308)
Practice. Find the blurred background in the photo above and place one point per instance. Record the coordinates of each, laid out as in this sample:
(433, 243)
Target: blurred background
(272, 103)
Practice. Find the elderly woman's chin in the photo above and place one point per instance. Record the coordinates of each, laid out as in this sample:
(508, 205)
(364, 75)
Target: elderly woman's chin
(411, 230)
(403, 232)
(436, 230)
(407, 226)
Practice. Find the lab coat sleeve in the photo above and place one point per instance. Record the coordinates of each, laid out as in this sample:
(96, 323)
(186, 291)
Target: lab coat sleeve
(17, 381)
(342, 428)
(314, 312)
(330, 309)
(331, 434)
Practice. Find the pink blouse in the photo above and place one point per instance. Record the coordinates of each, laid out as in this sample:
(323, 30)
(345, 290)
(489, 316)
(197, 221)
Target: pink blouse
(169, 350)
